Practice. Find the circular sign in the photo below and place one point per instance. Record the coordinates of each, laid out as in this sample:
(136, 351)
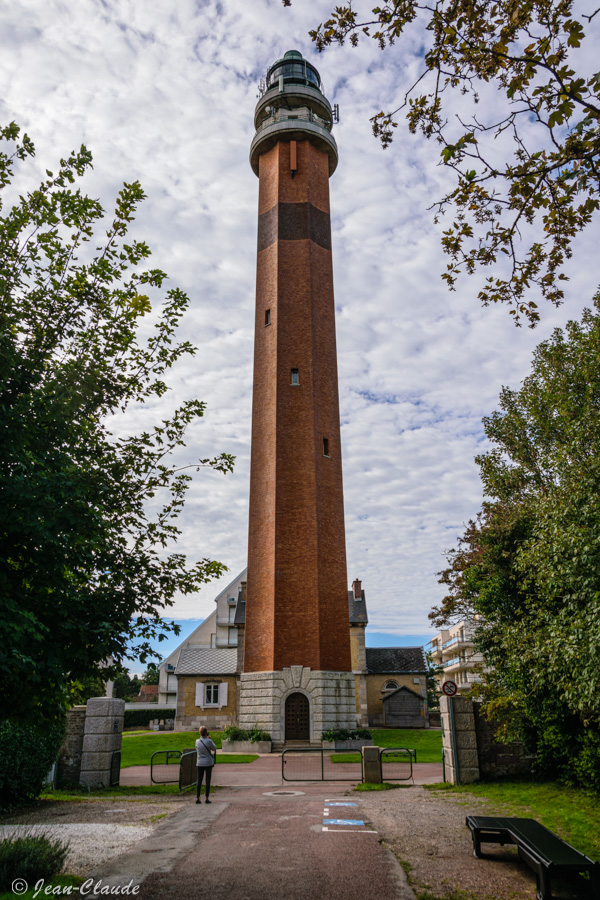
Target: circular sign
(449, 688)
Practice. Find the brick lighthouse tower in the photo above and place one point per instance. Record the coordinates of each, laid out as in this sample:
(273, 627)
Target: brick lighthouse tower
(297, 679)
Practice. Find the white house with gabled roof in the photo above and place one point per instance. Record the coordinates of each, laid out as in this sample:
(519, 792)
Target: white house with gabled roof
(216, 632)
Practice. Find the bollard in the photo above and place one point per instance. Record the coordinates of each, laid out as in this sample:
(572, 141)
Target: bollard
(371, 765)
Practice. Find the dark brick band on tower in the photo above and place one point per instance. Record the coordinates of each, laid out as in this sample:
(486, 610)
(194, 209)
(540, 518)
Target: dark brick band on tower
(297, 598)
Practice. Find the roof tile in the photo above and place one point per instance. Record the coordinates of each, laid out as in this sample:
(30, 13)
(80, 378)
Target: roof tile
(196, 661)
(390, 660)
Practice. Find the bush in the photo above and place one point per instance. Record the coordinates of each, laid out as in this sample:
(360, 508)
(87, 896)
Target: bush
(235, 733)
(27, 753)
(257, 734)
(142, 717)
(342, 734)
(30, 857)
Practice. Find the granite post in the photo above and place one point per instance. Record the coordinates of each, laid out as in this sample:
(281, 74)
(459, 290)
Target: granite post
(102, 736)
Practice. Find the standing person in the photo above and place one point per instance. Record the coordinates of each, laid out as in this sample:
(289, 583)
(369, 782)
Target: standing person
(204, 762)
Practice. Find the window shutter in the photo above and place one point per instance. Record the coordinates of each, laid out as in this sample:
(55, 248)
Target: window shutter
(223, 694)
(200, 694)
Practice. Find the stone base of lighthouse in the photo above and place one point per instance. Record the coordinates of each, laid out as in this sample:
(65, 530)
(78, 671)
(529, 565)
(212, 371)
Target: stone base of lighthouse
(266, 697)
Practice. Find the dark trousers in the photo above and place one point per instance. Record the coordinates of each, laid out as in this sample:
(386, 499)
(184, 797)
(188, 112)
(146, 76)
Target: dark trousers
(201, 771)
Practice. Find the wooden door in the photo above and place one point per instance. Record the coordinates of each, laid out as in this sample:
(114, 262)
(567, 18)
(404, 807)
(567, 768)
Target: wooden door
(297, 718)
(403, 709)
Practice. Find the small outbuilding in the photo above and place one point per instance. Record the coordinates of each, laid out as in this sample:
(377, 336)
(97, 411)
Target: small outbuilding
(397, 687)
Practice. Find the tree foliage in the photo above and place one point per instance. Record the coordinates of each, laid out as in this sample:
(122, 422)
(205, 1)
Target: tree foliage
(529, 153)
(529, 565)
(88, 512)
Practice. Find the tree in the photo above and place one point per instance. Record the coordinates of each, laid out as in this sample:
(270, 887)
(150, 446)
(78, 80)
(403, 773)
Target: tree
(530, 564)
(528, 155)
(434, 670)
(86, 564)
(151, 675)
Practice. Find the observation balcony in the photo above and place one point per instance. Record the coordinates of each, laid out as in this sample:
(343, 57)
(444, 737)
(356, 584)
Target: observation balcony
(292, 107)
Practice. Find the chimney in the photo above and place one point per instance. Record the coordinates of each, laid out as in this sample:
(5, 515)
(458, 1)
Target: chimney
(357, 589)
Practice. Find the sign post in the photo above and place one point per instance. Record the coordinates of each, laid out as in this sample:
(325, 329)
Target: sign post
(450, 689)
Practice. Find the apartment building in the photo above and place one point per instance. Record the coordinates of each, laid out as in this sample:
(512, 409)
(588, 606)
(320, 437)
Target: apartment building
(454, 650)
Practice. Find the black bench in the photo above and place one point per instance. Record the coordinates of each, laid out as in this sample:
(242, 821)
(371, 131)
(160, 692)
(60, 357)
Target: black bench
(543, 851)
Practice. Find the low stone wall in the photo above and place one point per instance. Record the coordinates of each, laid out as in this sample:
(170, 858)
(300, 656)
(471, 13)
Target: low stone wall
(246, 746)
(476, 753)
(347, 745)
(68, 767)
(496, 759)
(94, 732)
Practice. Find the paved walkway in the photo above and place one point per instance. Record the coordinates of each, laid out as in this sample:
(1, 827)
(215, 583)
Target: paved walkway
(252, 843)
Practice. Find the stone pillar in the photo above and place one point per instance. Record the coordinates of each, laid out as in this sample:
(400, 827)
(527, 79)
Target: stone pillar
(460, 754)
(68, 769)
(103, 735)
(371, 765)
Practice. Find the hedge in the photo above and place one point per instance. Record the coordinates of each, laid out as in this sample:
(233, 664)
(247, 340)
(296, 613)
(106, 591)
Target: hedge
(27, 753)
(142, 717)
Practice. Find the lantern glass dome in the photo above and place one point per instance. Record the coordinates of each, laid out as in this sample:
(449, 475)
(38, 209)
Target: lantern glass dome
(295, 70)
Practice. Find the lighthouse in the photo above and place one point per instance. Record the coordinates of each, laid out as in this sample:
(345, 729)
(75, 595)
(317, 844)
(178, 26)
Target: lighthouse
(297, 676)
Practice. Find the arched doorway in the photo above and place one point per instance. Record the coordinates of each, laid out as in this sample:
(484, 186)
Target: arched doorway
(297, 718)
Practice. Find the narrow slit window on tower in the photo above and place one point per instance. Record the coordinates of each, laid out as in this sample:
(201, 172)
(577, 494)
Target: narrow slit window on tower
(325, 446)
(267, 317)
(295, 376)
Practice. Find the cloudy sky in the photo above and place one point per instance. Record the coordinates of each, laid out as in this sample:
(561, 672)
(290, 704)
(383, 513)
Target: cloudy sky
(164, 92)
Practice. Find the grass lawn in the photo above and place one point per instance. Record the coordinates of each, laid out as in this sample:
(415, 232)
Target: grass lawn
(137, 749)
(428, 744)
(570, 813)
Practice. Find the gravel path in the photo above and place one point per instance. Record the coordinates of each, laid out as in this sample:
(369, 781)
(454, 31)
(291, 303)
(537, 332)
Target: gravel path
(426, 830)
(97, 830)
(89, 845)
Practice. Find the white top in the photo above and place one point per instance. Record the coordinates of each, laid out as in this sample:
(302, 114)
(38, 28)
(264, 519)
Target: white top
(204, 749)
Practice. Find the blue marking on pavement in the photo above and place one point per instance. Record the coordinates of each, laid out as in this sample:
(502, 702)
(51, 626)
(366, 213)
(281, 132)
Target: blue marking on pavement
(343, 822)
(342, 804)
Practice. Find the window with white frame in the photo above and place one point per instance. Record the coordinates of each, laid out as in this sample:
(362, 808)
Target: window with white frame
(390, 686)
(211, 695)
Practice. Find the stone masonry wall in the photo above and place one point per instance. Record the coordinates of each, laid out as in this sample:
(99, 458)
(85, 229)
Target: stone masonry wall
(69, 760)
(479, 755)
(496, 759)
(190, 717)
(330, 694)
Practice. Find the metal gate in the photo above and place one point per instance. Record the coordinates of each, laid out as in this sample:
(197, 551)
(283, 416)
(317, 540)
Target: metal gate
(188, 773)
(320, 765)
(397, 763)
(174, 767)
(164, 766)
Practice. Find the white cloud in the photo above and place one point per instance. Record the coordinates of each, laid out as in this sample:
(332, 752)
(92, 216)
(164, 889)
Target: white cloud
(165, 93)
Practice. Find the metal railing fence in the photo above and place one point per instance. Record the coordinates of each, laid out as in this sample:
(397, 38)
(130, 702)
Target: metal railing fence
(320, 765)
